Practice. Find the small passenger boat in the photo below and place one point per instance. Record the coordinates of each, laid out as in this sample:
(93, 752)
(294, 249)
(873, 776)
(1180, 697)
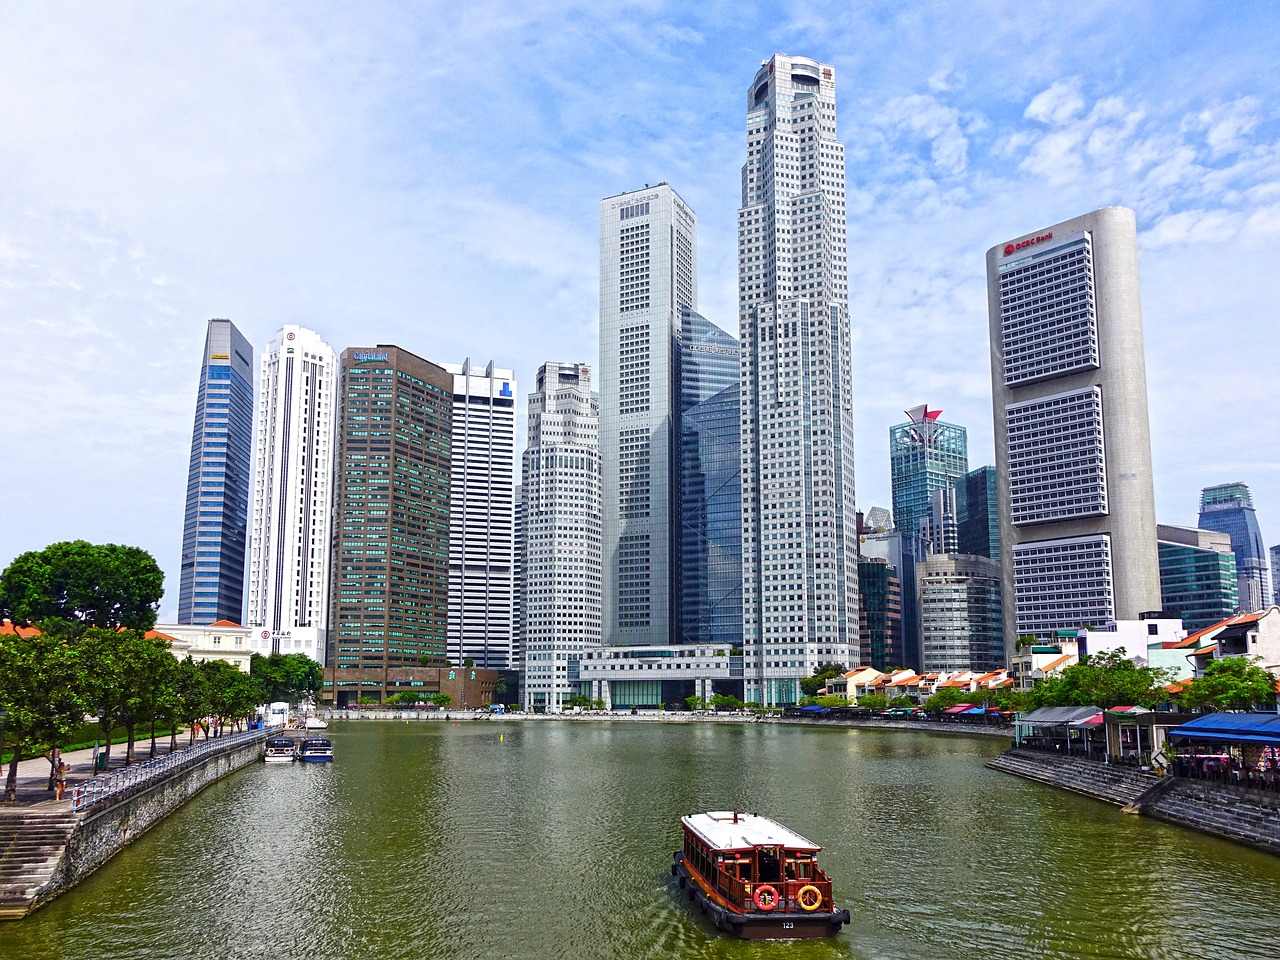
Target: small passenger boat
(756, 878)
(315, 750)
(278, 750)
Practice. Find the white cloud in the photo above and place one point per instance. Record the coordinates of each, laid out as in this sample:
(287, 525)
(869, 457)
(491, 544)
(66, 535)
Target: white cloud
(1058, 104)
(923, 114)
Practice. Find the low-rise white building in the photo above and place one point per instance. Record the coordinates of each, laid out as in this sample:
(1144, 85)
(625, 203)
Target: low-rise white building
(652, 676)
(222, 640)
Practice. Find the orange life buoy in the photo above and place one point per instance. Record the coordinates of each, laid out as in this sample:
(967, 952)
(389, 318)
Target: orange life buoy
(809, 897)
(765, 898)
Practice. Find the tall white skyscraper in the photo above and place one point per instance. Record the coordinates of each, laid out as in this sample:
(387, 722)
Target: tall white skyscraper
(799, 557)
(562, 531)
(1073, 445)
(648, 272)
(294, 444)
(482, 516)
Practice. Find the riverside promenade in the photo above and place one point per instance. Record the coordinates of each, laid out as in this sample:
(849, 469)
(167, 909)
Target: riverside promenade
(49, 845)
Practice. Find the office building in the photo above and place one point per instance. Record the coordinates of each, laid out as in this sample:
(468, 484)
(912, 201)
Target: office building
(1275, 574)
(482, 516)
(216, 521)
(903, 551)
(1073, 447)
(978, 513)
(562, 535)
(288, 581)
(710, 468)
(879, 614)
(799, 551)
(1197, 575)
(1228, 508)
(648, 274)
(961, 620)
(925, 456)
(390, 587)
(517, 580)
(939, 526)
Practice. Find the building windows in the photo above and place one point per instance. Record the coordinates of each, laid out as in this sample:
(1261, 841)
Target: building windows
(1057, 464)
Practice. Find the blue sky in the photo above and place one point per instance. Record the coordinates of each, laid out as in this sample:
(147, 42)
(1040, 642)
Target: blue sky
(429, 175)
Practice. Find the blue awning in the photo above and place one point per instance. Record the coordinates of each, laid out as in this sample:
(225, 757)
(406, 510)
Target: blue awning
(975, 710)
(1234, 727)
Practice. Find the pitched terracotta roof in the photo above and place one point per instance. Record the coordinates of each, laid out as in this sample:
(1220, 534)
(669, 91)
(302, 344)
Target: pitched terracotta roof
(1056, 663)
(1204, 651)
(224, 623)
(1239, 619)
(8, 629)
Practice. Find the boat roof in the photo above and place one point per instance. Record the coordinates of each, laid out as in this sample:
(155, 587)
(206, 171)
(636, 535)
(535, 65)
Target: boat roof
(720, 831)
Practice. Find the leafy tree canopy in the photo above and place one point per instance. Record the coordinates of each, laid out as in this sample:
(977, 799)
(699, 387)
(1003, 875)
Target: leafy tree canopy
(287, 677)
(1106, 680)
(1232, 683)
(39, 691)
(810, 686)
(83, 585)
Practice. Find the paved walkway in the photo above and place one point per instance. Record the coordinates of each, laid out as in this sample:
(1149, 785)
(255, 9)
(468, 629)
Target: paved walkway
(33, 774)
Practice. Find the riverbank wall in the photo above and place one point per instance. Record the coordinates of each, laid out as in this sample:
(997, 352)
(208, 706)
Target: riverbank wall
(48, 862)
(1228, 811)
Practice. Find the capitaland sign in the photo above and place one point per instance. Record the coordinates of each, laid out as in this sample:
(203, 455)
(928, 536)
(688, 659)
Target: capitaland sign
(362, 357)
(1029, 242)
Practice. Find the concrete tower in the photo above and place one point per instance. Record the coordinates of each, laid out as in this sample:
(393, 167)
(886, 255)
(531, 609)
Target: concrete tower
(216, 522)
(562, 522)
(799, 559)
(293, 488)
(648, 273)
(1073, 445)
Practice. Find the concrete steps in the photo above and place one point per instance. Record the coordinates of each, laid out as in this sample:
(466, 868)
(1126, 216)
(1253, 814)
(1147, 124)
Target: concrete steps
(1119, 785)
(31, 847)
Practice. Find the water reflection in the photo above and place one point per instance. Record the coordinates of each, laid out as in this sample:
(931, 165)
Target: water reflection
(554, 840)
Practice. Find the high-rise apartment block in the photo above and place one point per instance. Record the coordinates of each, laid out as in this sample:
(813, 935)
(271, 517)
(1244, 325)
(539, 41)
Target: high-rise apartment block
(1197, 575)
(482, 515)
(562, 535)
(710, 467)
(216, 521)
(290, 546)
(799, 552)
(1073, 447)
(648, 274)
(1228, 508)
(925, 456)
(390, 585)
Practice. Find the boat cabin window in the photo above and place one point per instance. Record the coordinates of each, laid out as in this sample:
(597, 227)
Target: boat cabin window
(769, 866)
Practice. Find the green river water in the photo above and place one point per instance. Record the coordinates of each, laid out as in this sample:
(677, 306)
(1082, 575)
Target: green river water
(503, 839)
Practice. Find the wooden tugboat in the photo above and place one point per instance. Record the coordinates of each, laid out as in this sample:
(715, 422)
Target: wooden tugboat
(756, 878)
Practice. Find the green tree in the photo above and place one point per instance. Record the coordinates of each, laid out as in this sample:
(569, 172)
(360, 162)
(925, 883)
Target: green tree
(232, 693)
(946, 698)
(1108, 679)
(123, 674)
(440, 699)
(39, 689)
(406, 697)
(83, 585)
(874, 701)
(722, 701)
(1232, 683)
(287, 677)
(902, 702)
(191, 698)
(695, 702)
(810, 686)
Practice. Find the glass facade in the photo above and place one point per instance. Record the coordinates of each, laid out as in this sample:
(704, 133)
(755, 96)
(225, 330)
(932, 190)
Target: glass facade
(710, 471)
(961, 620)
(1197, 584)
(1228, 508)
(924, 455)
(880, 614)
(215, 524)
(978, 513)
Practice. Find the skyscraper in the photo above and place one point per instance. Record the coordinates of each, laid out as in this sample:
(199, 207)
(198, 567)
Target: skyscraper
(1197, 575)
(648, 273)
(925, 455)
(390, 588)
(978, 513)
(293, 484)
(710, 468)
(482, 515)
(799, 557)
(880, 614)
(1275, 574)
(961, 622)
(1228, 508)
(562, 522)
(1073, 445)
(215, 524)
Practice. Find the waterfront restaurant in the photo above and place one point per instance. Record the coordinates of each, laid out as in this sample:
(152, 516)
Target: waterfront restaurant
(1239, 748)
(1053, 728)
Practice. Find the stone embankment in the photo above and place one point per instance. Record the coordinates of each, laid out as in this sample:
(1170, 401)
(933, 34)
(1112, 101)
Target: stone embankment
(1119, 785)
(917, 726)
(48, 848)
(1228, 811)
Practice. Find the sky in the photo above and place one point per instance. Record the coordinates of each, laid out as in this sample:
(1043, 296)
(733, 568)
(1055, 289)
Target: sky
(429, 175)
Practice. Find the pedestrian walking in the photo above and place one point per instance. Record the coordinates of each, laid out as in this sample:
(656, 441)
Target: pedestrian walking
(60, 788)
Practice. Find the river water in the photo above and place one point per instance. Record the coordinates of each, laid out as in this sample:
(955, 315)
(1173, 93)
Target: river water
(503, 839)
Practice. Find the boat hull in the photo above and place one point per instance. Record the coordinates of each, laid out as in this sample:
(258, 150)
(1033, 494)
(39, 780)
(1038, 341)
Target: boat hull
(277, 759)
(306, 759)
(757, 924)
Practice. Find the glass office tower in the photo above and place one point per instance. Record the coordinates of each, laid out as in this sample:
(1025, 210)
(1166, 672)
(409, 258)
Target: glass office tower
(978, 510)
(1197, 575)
(710, 470)
(215, 524)
(925, 455)
(1228, 508)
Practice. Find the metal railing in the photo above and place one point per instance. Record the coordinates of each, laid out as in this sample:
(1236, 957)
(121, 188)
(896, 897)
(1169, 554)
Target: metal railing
(131, 778)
